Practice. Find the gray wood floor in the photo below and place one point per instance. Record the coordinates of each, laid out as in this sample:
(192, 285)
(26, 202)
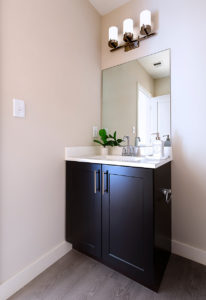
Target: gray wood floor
(78, 277)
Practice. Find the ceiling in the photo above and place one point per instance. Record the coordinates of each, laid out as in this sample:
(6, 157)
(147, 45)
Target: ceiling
(106, 6)
(159, 71)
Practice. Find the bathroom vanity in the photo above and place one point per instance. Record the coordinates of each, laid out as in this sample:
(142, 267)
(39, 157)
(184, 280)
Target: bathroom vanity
(118, 213)
(118, 208)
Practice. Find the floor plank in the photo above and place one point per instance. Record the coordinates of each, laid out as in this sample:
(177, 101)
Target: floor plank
(78, 277)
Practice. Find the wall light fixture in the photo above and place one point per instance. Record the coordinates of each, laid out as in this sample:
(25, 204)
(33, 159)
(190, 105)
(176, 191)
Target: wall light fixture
(128, 33)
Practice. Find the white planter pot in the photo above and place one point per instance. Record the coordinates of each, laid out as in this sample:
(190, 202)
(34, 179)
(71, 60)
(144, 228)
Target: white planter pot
(103, 151)
(116, 150)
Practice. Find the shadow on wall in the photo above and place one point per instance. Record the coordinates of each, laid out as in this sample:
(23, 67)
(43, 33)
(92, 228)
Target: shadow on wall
(188, 182)
(155, 20)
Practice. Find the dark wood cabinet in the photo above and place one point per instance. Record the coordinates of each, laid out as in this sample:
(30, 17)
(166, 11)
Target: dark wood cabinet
(119, 216)
(83, 207)
(126, 220)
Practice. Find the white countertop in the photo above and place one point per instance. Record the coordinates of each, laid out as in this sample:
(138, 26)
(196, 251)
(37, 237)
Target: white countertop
(91, 155)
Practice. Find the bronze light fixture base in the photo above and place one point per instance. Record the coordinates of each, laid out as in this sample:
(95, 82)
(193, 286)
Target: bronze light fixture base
(113, 44)
(133, 44)
(145, 30)
(128, 37)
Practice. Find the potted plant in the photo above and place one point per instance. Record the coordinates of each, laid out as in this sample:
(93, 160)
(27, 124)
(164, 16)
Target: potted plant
(104, 142)
(116, 148)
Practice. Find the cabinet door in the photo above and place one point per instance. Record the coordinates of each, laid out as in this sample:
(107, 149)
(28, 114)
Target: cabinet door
(84, 207)
(127, 216)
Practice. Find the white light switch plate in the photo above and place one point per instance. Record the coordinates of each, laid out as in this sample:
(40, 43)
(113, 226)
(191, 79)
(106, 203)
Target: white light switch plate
(18, 108)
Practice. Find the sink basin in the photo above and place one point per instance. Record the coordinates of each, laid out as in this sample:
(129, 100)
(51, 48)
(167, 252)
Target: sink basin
(117, 158)
(153, 158)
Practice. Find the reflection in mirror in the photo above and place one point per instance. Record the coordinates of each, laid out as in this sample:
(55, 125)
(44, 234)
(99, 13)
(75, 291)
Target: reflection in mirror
(136, 98)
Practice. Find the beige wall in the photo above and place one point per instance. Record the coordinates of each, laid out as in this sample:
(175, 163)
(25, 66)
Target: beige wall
(188, 64)
(120, 97)
(50, 57)
(162, 86)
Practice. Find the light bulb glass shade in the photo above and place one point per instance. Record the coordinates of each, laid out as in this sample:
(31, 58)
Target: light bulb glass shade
(128, 26)
(145, 18)
(113, 33)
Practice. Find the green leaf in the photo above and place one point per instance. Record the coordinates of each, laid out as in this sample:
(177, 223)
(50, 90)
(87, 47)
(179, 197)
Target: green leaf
(110, 143)
(102, 133)
(119, 141)
(114, 141)
(98, 142)
(103, 136)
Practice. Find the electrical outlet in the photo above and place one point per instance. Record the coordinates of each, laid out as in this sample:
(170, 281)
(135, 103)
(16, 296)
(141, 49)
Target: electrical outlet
(95, 131)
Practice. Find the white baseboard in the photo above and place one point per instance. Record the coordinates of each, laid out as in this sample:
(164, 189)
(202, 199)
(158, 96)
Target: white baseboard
(187, 251)
(11, 286)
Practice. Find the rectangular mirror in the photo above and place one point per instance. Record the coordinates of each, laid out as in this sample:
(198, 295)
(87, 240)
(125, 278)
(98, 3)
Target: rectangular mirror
(136, 98)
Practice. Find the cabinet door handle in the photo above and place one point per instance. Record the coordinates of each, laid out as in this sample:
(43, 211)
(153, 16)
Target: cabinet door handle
(95, 181)
(167, 194)
(102, 183)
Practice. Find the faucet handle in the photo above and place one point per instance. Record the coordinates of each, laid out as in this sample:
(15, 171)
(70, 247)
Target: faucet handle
(126, 138)
(124, 151)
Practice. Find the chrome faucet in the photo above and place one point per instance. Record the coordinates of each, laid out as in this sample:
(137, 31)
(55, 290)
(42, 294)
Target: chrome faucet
(137, 141)
(129, 150)
(136, 150)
